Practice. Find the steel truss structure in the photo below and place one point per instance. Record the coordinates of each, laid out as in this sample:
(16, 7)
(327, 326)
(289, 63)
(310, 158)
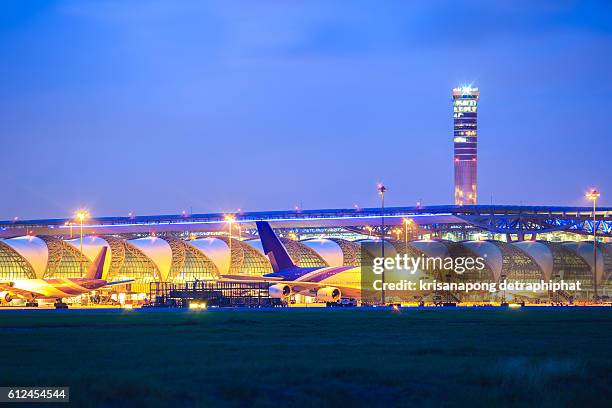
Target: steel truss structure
(518, 221)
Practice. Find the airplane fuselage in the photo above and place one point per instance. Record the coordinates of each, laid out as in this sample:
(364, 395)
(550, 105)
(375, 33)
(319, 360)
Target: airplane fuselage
(307, 280)
(56, 288)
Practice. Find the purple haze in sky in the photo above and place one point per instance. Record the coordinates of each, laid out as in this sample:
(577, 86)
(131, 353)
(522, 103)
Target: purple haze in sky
(159, 106)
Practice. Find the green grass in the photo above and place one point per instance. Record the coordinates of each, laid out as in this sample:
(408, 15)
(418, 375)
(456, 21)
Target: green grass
(544, 357)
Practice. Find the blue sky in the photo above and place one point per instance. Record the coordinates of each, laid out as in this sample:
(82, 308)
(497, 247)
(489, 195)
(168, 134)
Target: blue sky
(159, 106)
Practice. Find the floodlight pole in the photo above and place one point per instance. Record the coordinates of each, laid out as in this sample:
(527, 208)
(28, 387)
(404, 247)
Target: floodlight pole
(595, 249)
(381, 190)
(594, 195)
(81, 257)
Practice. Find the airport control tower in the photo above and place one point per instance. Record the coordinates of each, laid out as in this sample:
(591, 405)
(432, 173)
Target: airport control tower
(465, 114)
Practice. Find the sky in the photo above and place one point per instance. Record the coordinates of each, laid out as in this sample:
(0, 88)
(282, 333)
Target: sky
(154, 107)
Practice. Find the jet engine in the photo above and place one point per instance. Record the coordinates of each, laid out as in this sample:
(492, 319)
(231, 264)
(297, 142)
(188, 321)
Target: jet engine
(5, 297)
(279, 291)
(329, 294)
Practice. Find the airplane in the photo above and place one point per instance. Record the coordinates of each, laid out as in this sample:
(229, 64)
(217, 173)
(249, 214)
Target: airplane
(327, 284)
(57, 288)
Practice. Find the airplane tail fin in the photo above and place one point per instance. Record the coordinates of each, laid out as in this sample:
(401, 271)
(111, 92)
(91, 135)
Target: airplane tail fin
(97, 267)
(273, 248)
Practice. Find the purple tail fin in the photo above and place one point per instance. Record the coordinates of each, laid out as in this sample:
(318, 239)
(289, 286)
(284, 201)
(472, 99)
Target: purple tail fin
(273, 248)
(97, 267)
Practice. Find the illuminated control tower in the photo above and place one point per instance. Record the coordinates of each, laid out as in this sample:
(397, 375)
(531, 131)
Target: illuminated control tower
(465, 114)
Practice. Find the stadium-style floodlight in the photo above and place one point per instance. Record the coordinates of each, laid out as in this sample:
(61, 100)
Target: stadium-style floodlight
(239, 231)
(81, 215)
(381, 190)
(407, 221)
(69, 224)
(230, 218)
(594, 195)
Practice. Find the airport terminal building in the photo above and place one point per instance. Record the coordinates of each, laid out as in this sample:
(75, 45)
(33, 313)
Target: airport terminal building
(527, 244)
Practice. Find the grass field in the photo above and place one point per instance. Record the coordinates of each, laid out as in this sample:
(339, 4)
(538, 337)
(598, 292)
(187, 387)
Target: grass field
(548, 357)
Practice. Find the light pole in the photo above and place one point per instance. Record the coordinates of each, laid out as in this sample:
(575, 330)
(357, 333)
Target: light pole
(81, 215)
(594, 195)
(69, 224)
(229, 218)
(381, 190)
(406, 222)
(397, 233)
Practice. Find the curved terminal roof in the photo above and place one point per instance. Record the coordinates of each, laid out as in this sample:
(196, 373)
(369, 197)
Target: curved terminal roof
(431, 248)
(92, 245)
(216, 250)
(374, 248)
(491, 254)
(34, 250)
(328, 249)
(256, 243)
(584, 249)
(65, 261)
(246, 259)
(13, 266)
(188, 262)
(540, 253)
(157, 250)
(301, 254)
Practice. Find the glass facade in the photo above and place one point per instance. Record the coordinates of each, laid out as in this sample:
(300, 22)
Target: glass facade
(302, 255)
(65, 261)
(465, 139)
(518, 265)
(13, 266)
(189, 263)
(351, 252)
(570, 266)
(137, 266)
(247, 260)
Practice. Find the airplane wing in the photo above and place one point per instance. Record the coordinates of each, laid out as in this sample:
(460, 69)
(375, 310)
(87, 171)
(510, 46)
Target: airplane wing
(305, 288)
(16, 292)
(249, 278)
(309, 288)
(119, 282)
